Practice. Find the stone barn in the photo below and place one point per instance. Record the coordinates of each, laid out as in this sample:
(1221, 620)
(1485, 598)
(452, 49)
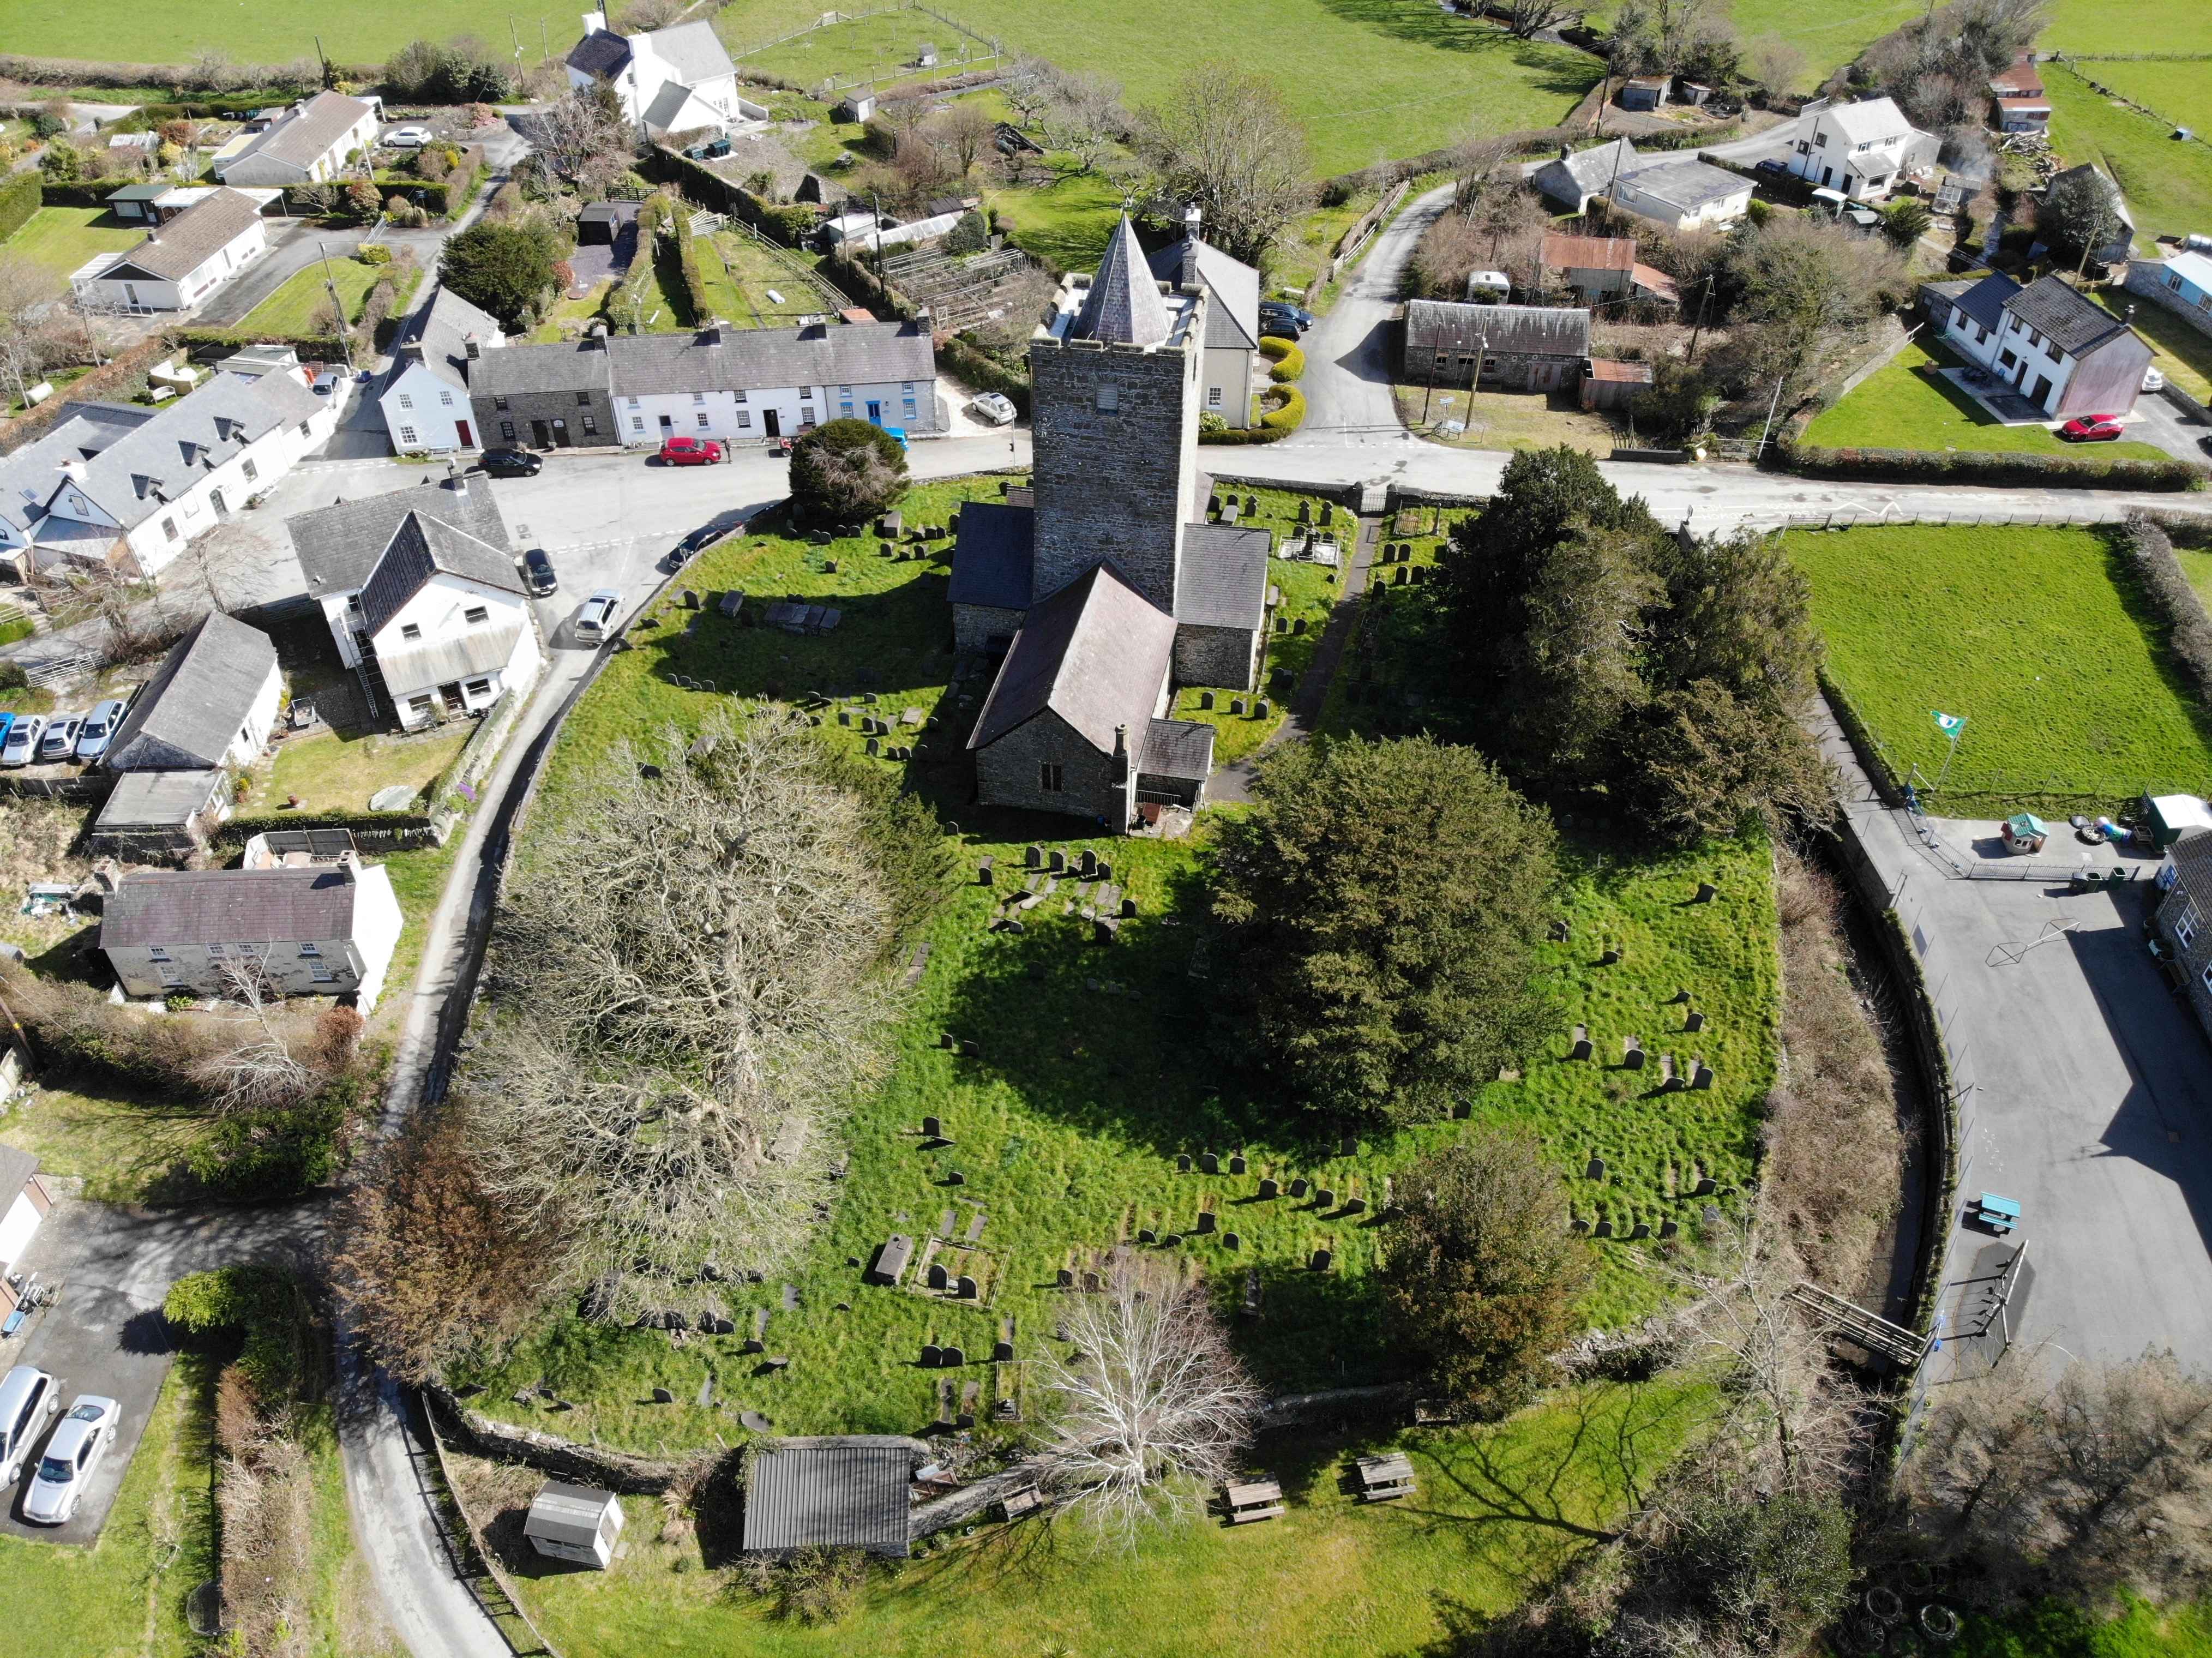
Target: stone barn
(1519, 347)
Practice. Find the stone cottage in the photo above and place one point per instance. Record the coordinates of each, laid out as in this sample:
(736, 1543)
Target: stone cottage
(1523, 348)
(1108, 589)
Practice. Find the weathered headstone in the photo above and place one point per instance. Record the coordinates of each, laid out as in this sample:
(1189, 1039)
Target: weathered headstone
(1205, 701)
(1641, 1229)
(1146, 1235)
(1269, 1189)
(1090, 1283)
(1631, 1056)
(1319, 1261)
(1709, 1215)
(1605, 1229)
(1231, 1241)
(1172, 1240)
(952, 1359)
(1704, 1187)
(1058, 863)
(930, 1128)
(937, 1277)
(845, 717)
(1355, 1205)
(1403, 575)
(662, 1396)
(1237, 1163)
(1701, 1074)
(1668, 1228)
(1183, 1163)
(1208, 1164)
(1236, 706)
(1033, 857)
(932, 1355)
(1578, 1225)
(1206, 1222)
(1693, 1020)
(1608, 955)
(1706, 893)
(966, 1287)
(970, 1049)
(1559, 932)
(1263, 708)
(1128, 909)
(1300, 1186)
(954, 1177)
(875, 748)
(983, 872)
(1582, 1050)
(1595, 1170)
(1348, 1146)
(1002, 1352)
(1066, 1279)
(1325, 1197)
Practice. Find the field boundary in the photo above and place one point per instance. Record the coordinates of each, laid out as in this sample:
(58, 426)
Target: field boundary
(2175, 128)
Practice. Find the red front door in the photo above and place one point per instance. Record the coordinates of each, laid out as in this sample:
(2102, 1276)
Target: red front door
(461, 430)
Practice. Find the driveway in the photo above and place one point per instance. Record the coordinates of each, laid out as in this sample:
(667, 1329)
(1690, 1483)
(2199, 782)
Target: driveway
(1351, 353)
(2156, 421)
(105, 1332)
(293, 249)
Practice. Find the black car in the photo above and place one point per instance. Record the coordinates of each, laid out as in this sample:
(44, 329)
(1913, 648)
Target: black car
(697, 543)
(1273, 310)
(512, 462)
(1276, 326)
(537, 571)
(1776, 169)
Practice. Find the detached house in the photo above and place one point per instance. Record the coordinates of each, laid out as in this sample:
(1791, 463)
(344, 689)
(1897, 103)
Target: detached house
(313, 144)
(321, 930)
(426, 403)
(420, 592)
(1232, 319)
(1684, 195)
(1570, 182)
(1526, 348)
(181, 261)
(2056, 347)
(672, 80)
(1862, 149)
(211, 704)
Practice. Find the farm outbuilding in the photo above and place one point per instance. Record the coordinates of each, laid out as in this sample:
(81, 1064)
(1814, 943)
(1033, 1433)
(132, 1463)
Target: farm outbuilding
(575, 1523)
(1610, 385)
(850, 1493)
(2172, 816)
(1525, 346)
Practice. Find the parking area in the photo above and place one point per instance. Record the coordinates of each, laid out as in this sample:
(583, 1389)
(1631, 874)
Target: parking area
(104, 1334)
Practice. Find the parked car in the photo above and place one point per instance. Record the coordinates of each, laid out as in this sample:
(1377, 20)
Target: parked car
(21, 746)
(537, 574)
(511, 463)
(2154, 379)
(898, 432)
(7, 724)
(713, 149)
(71, 1455)
(992, 407)
(597, 616)
(1298, 314)
(1772, 168)
(28, 1396)
(408, 137)
(59, 742)
(698, 542)
(689, 452)
(1279, 326)
(2091, 428)
(99, 728)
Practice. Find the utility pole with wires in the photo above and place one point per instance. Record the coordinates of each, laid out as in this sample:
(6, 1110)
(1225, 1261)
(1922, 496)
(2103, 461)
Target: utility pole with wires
(1771, 406)
(1704, 305)
(337, 308)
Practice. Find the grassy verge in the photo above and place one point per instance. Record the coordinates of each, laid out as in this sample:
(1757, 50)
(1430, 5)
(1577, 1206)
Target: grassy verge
(2184, 353)
(1908, 404)
(2168, 184)
(292, 308)
(1505, 419)
(2031, 634)
(125, 1150)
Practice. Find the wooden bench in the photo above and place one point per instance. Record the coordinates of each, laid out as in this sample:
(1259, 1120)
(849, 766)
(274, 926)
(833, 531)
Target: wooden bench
(1382, 1478)
(1257, 1499)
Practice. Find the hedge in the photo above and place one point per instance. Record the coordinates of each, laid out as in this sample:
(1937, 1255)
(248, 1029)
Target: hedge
(687, 265)
(2030, 472)
(2188, 629)
(1276, 424)
(312, 348)
(87, 192)
(240, 829)
(790, 223)
(116, 377)
(1288, 356)
(20, 197)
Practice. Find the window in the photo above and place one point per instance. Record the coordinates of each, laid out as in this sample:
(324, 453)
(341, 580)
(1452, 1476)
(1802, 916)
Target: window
(590, 426)
(637, 423)
(1049, 778)
(745, 421)
(246, 735)
(1110, 399)
(583, 399)
(311, 949)
(702, 422)
(407, 435)
(2185, 926)
(741, 399)
(698, 397)
(419, 707)
(445, 397)
(506, 430)
(1213, 396)
(247, 467)
(479, 687)
(216, 952)
(410, 630)
(321, 974)
(2173, 279)
(633, 402)
(157, 952)
(169, 528)
(845, 391)
(170, 975)
(2207, 977)
(499, 403)
(1981, 335)
(1443, 359)
(476, 616)
(1821, 139)
(906, 388)
(406, 402)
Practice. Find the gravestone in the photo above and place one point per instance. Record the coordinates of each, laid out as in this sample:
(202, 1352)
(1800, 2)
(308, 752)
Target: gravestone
(1559, 932)
(1641, 1229)
(1089, 871)
(1282, 624)
(1668, 1228)
(1608, 955)
(1105, 869)
(1709, 1215)
(1348, 1146)
(947, 1041)
(952, 1359)
(1595, 1170)
(966, 1288)
(1236, 706)
(1033, 857)
(1205, 1223)
(1327, 514)
(1251, 505)
(829, 567)
(1631, 1056)
(1581, 1048)
(1462, 1110)
(1693, 1020)
(1297, 624)
(875, 748)
(937, 1275)
(845, 717)
(1704, 1187)
(1701, 1075)
(1706, 893)
(1066, 1279)
(1401, 577)
(1206, 701)
(1579, 1226)
(1237, 1163)
(1264, 709)
(1002, 1352)
(1146, 1235)
(1090, 1283)
(1231, 1241)
(1058, 862)
(970, 1049)
(1171, 1241)
(984, 871)
(1208, 1164)
(1269, 1189)
(1325, 1197)
(1300, 1186)
(1183, 1163)
(954, 1177)
(1306, 510)
(1320, 1261)
(1128, 909)
(662, 1396)
(1605, 1229)
(1355, 1205)
(932, 1355)
(930, 1128)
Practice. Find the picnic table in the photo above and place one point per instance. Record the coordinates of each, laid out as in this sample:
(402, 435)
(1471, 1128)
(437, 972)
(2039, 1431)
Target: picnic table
(1999, 1214)
(1382, 1478)
(1254, 1499)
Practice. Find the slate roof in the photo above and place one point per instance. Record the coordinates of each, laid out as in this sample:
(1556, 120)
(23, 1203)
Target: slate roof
(338, 546)
(567, 1513)
(994, 557)
(151, 465)
(422, 547)
(1123, 305)
(1589, 252)
(842, 1495)
(418, 665)
(1587, 172)
(2070, 320)
(1232, 315)
(156, 799)
(192, 239)
(1095, 653)
(1688, 184)
(17, 1168)
(1182, 749)
(300, 138)
(1983, 300)
(1223, 580)
(2192, 866)
(1543, 330)
(230, 906)
(518, 370)
(760, 359)
(443, 326)
(197, 700)
(1868, 121)
(693, 50)
(29, 476)
(602, 54)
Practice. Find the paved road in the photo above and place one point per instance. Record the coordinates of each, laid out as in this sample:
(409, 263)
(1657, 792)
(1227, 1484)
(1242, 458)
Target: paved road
(1352, 353)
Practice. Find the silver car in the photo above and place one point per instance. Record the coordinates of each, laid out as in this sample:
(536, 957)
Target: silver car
(22, 745)
(595, 617)
(99, 729)
(71, 1455)
(60, 741)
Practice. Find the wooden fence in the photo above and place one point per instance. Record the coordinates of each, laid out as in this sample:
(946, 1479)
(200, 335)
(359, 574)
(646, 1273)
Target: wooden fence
(1351, 245)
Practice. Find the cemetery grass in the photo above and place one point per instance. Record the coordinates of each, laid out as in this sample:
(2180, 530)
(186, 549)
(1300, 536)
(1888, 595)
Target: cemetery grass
(292, 309)
(1499, 1507)
(1095, 1071)
(1907, 404)
(2168, 186)
(2036, 635)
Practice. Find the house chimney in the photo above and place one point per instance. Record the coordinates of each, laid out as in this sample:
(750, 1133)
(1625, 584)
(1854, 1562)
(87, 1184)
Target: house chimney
(473, 347)
(456, 479)
(711, 335)
(1194, 219)
(348, 866)
(411, 350)
(1121, 755)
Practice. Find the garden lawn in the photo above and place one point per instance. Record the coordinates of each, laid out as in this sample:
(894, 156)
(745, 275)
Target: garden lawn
(2168, 186)
(756, 274)
(1506, 420)
(2055, 1629)
(332, 772)
(1367, 79)
(125, 1150)
(291, 309)
(2025, 632)
(1499, 1508)
(2183, 354)
(1065, 1127)
(1907, 404)
(1065, 223)
(579, 312)
(60, 239)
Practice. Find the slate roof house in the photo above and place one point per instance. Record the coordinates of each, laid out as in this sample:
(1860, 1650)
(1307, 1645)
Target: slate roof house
(311, 144)
(182, 261)
(732, 384)
(1233, 319)
(420, 590)
(1683, 194)
(1526, 348)
(1570, 182)
(211, 704)
(318, 930)
(2054, 346)
(673, 80)
(1863, 150)
(848, 1496)
(1113, 589)
(426, 403)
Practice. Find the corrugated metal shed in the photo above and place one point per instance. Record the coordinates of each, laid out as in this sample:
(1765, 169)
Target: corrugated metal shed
(843, 1495)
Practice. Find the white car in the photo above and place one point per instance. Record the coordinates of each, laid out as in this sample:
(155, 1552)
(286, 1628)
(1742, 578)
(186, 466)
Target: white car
(992, 408)
(595, 617)
(22, 745)
(60, 741)
(71, 1454)
(28, 1396)
(2153, 380)
(408, 137)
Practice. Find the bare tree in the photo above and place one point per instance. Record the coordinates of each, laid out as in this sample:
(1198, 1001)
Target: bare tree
(680, 999)
(583, 136)
(964, 131)
(1027, 88)
(1151, 1407)
(1225, 139)
(1778, 64)
(1527, 18)
(259, 1069)
(1083, 117)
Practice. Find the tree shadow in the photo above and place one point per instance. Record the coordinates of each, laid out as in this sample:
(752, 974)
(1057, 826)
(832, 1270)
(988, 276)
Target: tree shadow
(1560, 71)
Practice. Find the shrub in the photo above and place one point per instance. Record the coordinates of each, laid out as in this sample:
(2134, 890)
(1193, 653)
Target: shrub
(1289, 358)
(2082, 472)
(502, 268)
(970, 235)
(266, 1306)
(372, 253)
(1286, 416)
(2188, 629)
(845, 471)
(20, 197)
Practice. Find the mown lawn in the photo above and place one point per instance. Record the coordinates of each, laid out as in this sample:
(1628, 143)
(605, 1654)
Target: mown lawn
(351, 31)
(292, 309)
(125, 1150)
(2055, 1629)
(1065, 1126)
(1065, 223)
(1907, 404)
(2168, 186)
(59, 239)
(2090, 27)
(2025, 632)
(331, 772)
(763, 288)
(1498, 1508)
(872, 47)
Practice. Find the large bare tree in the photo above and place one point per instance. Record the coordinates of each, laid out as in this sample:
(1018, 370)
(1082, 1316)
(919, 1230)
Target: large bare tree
(1225, 139)
(1083, 117)
(1525, 19)
(681, 997)
(1152, 1408)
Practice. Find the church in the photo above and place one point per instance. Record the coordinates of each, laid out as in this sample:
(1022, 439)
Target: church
(1106, 588)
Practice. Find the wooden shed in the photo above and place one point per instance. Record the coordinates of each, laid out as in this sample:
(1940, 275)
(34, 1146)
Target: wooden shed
(575, 1523)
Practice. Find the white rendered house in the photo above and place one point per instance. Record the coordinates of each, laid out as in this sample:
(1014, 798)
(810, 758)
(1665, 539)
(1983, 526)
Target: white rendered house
(182, 261)
(312, 144)
(1861, 149)
(672, 80)
(426, 405)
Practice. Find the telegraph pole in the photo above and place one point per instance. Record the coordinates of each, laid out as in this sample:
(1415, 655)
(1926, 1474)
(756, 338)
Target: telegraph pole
(337, 307)
(1702, 306)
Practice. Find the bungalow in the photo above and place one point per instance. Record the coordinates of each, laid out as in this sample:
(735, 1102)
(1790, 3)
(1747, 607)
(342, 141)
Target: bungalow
(2058, 349)
(1570, 182)
(314, 145)
(426, 403)
(211, 705)
(1862, 149)
(1594, 269)
(1529, 348)
(1684, 195)
(2181, 283)
(313, 930)
(181, 262)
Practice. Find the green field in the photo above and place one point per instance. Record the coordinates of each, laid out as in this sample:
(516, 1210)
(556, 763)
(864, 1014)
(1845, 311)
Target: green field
(2182, 353)
(1498, 1508)
(1830, 36)
(2095, 26)
(876, 47)
(352, 31)
(1906, 404)
(62, 239)
(291, 309)
(2024, 632)
(2181, 91)
(2168, 186)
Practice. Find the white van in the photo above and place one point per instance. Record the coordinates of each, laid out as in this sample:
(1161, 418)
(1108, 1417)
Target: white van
(28, 1398)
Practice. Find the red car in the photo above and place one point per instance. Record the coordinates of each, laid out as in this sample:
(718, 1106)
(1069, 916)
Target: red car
(2091, 428)
(691, 452)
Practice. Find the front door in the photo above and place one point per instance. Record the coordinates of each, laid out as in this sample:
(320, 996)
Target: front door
(216, 500)
(875, 413)
(2042, 389)
(455, 703)
(561, 434)
(667, 425)
(770, 423)
(543, 433)
(1827, 176)
(461, 431)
